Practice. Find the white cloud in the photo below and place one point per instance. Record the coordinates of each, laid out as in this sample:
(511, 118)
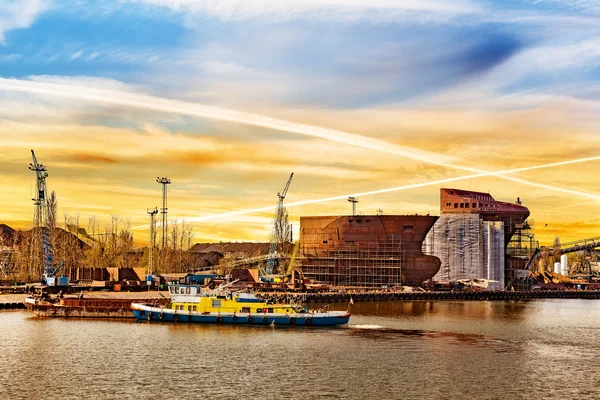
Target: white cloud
(581, 5)
(76, 55)
(16, 14)
(10, 57)
(319, 9)
(93, 56)
(225, 68)
(583, 54)
(64, 87)
(85, 81)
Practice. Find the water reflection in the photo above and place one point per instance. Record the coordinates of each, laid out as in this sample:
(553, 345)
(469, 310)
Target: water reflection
(474, 309)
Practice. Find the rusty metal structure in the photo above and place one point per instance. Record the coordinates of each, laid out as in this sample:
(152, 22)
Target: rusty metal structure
(366, 250)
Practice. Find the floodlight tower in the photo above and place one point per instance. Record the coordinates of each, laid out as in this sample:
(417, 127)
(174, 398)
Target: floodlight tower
(353, 200)
(164, 182)
(152, 212)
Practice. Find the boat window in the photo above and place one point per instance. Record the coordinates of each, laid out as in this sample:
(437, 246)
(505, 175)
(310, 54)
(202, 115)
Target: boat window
(270, 310)
(259, 310)
(245, 309)
(216, 303)
(181, 290)
(187, 290)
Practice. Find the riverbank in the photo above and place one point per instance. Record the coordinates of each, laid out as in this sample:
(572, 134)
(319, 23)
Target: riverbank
(102, 300)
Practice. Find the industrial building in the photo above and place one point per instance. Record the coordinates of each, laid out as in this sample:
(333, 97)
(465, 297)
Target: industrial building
(471, 236)
(366, 250)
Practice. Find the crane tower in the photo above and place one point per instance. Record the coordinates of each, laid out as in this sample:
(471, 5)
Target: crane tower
(40, 221)
(277, 224)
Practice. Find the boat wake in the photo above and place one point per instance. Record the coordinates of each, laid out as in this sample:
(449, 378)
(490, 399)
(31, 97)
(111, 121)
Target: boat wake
(366, 327)
(380, 332)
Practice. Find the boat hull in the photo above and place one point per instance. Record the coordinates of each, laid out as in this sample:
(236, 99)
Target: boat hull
(149, 313)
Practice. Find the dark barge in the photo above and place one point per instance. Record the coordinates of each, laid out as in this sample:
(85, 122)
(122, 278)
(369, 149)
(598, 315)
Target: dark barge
(88, 306)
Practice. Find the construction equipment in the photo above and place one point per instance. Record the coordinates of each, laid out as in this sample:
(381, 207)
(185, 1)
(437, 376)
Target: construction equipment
(40, 223)
(565, 248)
(276, 231)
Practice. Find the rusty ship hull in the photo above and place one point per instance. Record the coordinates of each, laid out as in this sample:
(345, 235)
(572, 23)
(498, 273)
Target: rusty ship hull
(366, 250)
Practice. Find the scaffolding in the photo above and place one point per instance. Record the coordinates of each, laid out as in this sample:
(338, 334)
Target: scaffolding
(523, 242)
(378, 264)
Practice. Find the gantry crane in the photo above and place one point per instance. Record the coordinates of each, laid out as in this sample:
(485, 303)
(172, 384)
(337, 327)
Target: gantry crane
(277, 224)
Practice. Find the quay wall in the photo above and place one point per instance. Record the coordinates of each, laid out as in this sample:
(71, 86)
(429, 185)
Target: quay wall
(410, 296)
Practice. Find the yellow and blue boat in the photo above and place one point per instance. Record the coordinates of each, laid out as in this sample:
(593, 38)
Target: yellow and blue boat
(190, 303)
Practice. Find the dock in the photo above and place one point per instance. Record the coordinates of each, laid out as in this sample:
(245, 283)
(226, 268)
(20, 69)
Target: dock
(345, 297)
(12, 301)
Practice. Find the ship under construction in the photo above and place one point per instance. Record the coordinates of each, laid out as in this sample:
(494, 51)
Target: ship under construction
(468, 241)
(366, 250)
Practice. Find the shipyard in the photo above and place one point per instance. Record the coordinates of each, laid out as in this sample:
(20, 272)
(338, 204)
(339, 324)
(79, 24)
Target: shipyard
(476, 245)
(299, 199)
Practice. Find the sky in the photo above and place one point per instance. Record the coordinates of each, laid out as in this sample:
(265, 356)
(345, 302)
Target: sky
(228, 98)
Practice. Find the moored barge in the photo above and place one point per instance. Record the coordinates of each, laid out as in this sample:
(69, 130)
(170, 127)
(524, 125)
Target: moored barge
(91, 305)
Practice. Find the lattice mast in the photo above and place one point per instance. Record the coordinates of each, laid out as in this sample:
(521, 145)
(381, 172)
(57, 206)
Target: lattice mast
(40, 217)
(277, 222)
(164, 182)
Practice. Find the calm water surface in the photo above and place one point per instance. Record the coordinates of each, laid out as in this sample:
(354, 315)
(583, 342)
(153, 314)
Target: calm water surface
(391, 350)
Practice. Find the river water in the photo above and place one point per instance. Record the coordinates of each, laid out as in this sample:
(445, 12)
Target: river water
(540, 349)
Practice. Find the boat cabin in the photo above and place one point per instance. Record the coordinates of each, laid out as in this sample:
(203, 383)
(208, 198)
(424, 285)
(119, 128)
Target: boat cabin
(191, 298)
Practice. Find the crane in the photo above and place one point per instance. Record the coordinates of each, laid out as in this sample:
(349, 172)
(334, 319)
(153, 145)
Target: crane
(40, 221)
(277, 226)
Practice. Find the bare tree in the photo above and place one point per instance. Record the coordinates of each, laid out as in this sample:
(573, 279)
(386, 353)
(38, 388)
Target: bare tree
(173, 241)
(125, 245)
(581, 265)
(556, 250)
(545, 260)
(52, 207)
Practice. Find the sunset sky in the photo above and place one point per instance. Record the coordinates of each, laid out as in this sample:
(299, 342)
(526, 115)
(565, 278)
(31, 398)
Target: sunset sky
(228, 97)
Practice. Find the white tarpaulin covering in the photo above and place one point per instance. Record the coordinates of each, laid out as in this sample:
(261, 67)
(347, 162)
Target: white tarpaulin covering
(468, 247)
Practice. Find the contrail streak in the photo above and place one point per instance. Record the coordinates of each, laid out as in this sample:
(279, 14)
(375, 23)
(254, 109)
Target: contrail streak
(399, 188)
(204, 111)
